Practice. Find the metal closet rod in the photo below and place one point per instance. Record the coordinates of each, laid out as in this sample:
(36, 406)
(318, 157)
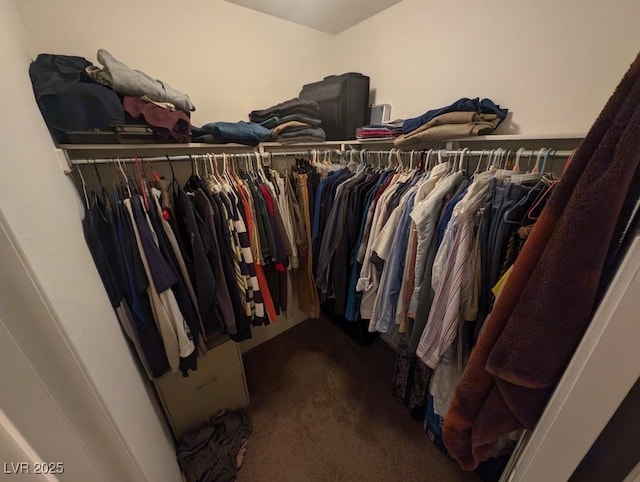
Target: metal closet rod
(468, 152)
(447, 152)
(194, 157)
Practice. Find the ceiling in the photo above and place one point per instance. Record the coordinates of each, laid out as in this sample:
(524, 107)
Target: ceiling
(330, 16)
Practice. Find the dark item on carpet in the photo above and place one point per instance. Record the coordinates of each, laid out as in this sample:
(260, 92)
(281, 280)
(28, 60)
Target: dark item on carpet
(323, 410)
(215, 451)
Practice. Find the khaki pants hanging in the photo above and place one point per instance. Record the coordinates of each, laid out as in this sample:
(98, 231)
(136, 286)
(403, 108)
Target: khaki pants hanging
(307, 295)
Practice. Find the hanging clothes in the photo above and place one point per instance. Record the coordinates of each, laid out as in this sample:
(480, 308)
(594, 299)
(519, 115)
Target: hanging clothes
(506, 384)
(422, 245)
(182, 265)
(176, 336)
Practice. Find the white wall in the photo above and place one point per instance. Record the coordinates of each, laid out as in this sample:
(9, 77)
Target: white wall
(42, 210)
(553, 63)
(48, 397)
(229, 59)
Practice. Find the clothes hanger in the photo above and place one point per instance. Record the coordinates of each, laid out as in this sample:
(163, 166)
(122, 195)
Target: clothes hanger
(119, 178)
(228, 171)
(569, 159)
(491, 165)
(222, 178)
(193, 167)
(534, 174)
(428, 166)
(507, 159)
(209, 172)
(542, 198)
(529, 168)
(103, 191)
(362, 166)
(463, 154)
(84, 188)
(501, 161)
(536, 167)
(260, 170)
(142, 185)
(400, 165)
(124, 176)
(516, 166)
(524, 201)
(455, 163)
(174, 182)
(390, 159)
(499, 166)
(210, 168)
(479, 163)
(489, 156)
(549, 182)
(547, 154)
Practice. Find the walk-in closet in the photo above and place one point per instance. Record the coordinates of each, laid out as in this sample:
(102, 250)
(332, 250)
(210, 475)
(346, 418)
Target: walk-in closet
(389, 240)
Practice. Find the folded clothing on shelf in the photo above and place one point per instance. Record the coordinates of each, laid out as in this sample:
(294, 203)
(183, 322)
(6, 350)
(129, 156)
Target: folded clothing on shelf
(304, 134)
(275, 121)
(167, 125)
(378, 131)
(69, 99)
(452, 125)
(296, 131)
(484, 106)
(248, 133)
(126, 81)
(289, 107)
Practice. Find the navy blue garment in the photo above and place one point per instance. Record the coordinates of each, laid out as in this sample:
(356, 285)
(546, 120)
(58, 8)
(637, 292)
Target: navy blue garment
(163, 275)
(500, 230)
(342, 259)
(69, 99)
(326, 203)
(142, 314)
(484, 106)
(320, 212)
(485, 295)
(315, 225)
(180, 291)
(96, 230)
(196, 249)
(117, 258)
(448, 209)
(248, 133)
(352, 308)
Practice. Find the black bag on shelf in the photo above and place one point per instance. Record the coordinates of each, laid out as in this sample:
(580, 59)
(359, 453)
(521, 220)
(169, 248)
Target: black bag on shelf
(343, 101)
(133, 131)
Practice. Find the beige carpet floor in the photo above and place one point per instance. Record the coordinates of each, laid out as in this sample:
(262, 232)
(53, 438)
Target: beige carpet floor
(322, 410)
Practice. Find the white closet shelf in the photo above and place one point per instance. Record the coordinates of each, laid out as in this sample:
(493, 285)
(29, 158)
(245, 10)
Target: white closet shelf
(522, 137)
(85, 151)
(70, 154)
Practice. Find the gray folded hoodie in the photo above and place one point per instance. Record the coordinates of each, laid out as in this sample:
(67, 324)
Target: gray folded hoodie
(126, 81)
